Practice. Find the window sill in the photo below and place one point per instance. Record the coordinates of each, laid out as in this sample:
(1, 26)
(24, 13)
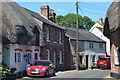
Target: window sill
(117, 64)
(60, 63)
(54, 42)
(18, 62)
(48, 41)
(60, 43)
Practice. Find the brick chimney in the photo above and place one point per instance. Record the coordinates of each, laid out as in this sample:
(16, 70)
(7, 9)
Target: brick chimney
(101, 21)
(52, 15)
(45, 11)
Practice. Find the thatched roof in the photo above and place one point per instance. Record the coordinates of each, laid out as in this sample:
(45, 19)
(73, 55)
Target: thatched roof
(13, 16)
(113, 15)
(112, 20)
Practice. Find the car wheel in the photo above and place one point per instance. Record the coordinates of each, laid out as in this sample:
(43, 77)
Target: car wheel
(53, 73)
(103, 68)
(47, 73)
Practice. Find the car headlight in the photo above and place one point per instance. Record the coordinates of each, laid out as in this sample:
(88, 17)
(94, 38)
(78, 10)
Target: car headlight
(28, 68)
(43, 68)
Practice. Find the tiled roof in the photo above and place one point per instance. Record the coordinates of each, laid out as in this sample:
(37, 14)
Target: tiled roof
(84, 35)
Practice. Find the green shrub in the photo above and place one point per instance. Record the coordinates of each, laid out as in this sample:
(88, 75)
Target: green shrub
(82, 66)
(0, 68)
(5, 70)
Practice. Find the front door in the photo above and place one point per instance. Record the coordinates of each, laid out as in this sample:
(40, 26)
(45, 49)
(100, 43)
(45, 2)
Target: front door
(36, 56)
(86, 61)
(28, 58)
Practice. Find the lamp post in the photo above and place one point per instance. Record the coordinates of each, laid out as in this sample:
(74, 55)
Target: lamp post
(77, 37)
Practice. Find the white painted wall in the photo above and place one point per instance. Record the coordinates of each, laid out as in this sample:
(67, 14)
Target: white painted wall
(6, 55)
(95, 47)
(95, 51)
(99, 34)
(9, 56)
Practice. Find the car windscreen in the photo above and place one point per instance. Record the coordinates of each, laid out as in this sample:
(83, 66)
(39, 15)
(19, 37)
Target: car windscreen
(104, 59)
(40, 63)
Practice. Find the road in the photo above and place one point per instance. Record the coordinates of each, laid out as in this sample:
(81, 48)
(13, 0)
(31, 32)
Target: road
(84, 74)
(96, 73)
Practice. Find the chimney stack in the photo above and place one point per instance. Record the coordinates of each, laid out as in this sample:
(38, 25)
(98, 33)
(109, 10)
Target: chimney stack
(48, 13)
(52, 15)
(45, 11)
(101, 21)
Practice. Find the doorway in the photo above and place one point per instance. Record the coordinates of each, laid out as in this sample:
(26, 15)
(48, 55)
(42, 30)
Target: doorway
(29, 58)
(87, 61)
(36, 56)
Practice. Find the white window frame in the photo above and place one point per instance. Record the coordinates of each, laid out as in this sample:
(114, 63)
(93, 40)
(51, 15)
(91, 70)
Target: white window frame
(48, 54)
(100, 46)
(60, 37)
(61, 57)
(116, 57)
(91, 45)
(47, 34)
(18, 57)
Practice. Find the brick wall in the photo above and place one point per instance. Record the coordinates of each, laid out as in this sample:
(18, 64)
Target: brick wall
(115, 42)
(53, 45)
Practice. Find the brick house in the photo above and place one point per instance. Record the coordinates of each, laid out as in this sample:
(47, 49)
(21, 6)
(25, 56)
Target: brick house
(52, 47)
(90, 48)
(112, 31)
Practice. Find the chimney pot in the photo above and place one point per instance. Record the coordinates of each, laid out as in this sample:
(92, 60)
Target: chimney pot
(45, 11)
(101, 21)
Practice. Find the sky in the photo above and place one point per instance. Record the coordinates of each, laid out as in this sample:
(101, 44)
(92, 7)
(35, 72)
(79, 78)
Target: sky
(93, 10)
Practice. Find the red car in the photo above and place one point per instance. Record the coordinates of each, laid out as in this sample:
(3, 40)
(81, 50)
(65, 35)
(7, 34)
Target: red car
(41, 68)
(103, 63)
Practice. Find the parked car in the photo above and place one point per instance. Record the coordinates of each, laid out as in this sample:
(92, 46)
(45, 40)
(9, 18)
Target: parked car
(103, 63)
(41, 68)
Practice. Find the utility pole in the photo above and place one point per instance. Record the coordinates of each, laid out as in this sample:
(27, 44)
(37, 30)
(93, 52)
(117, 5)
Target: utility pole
(77, 35)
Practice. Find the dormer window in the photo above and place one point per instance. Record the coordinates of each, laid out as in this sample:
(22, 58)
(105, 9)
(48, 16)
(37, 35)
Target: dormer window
(36, 35)
(19, 29)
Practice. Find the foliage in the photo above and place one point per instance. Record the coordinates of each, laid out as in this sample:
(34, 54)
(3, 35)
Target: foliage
(5, 70)
(82, 66)
(69, 20)
(0, 67)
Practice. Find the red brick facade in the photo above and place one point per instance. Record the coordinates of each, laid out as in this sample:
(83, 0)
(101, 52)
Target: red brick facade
(115, 42)
(54, 46)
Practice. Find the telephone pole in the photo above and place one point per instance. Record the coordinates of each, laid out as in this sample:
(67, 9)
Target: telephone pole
(77, 35)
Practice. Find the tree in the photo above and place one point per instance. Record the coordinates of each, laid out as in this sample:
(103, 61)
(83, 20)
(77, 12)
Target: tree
(69, 20)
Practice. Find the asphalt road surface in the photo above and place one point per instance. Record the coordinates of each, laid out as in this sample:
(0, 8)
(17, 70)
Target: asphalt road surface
(96, 73)
(84, 74)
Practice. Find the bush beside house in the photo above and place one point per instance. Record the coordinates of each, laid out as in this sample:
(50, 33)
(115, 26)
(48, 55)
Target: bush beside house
(82, 66)
(5, 70)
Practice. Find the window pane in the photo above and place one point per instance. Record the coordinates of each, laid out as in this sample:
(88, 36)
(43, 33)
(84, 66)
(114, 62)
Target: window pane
(60, 57)
(15, 57)
(19, 57)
